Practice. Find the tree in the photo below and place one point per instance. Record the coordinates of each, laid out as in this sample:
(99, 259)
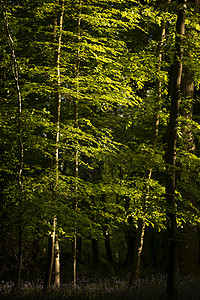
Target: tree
(141, 223)
(186, 181)
(15, 71)
(56, 111)
(171, 154)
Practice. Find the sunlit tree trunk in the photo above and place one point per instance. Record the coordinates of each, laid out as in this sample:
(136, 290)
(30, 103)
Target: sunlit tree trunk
(21, 147)
(53, 242)
(57, 263)
(172, 272)
(58, 102)
(76, 119)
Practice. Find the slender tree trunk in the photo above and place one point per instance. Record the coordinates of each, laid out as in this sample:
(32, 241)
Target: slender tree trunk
(57, 264)
(50, 257)
(137, 252)
(35, 249)
(76, 119)
(153, 252)
(172, 272)
(130, 248)
(108, 245)
(79, 249)
(21, 147)
(131, 236)
(75, 258)
(58, 102)
(105, 228)
(53, 242)
(19, 256)
(75, 206)
(141, 224)
(95, 251)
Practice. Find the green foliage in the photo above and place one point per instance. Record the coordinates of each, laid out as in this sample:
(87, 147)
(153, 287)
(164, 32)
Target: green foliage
(117, 98)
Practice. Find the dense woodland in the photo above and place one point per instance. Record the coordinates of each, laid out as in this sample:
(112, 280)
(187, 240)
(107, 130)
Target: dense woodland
(99, 140)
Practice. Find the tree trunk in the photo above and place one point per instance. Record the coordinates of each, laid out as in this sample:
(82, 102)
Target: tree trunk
(75, 258)
(95, 251)
(79, 249)
(189, 244)
(141, 224)
(172, 271)
(50, 257)
(57, 264)
(188, 251)
(19, 272)
(58, 115)
(154, 262)
(105, 228)
(130, 236)
(137, 253)
(108, 245)
(76, 119)
(21, 146)
(34, 253)
(130, 247)
(53, 241)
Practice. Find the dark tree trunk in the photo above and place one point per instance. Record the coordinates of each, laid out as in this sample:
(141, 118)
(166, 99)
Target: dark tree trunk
(50, 258)
(188, 255)
(79, 249)
(172, 272)
(19, 256)
(130, 247)
(108, 245)
(137, 253)
(35, 249)
(154, 262)
(148, 250)
(95, 251)
(189, 244)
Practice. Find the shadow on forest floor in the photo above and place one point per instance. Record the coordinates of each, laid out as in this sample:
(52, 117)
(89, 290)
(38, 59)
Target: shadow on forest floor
(100, 289)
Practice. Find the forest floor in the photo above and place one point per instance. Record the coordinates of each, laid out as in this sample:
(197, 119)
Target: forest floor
(152, 288)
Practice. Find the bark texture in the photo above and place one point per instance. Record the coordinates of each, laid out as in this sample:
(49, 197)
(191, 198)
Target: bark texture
(189, 244)
(57, 264)
(172, 272)
(53, 241)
